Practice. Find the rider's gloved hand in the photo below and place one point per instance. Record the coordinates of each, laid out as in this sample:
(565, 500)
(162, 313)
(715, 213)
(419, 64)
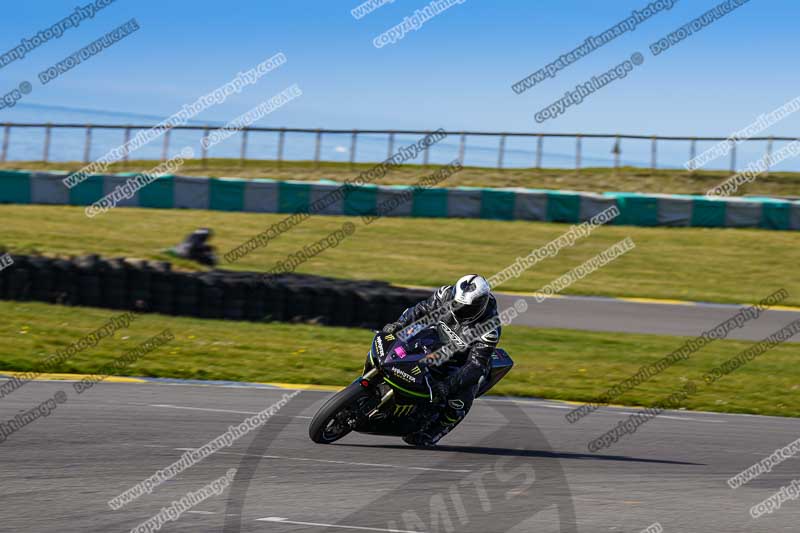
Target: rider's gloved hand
(440, 391)
(391, 327)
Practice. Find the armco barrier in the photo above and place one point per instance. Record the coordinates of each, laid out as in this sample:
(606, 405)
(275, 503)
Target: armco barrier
(270, 196)
(152, 286)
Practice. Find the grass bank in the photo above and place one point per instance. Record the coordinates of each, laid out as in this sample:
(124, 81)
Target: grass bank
(626, 179)
(700, 264)
(561, 364)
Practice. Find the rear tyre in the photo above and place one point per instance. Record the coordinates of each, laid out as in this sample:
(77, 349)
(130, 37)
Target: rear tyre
(329, 424)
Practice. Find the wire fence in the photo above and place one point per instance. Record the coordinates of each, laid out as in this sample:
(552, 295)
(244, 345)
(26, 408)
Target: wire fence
(537, 140)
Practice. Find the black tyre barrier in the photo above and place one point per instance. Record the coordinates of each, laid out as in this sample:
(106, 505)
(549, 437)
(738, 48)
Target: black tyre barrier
(90, 270)
(210, 296)
(368, 308)
(345, 310)
(115, 284)
(325, 304)
(255, 307)
(187, 296)
(299, 301)
(140, 281)
(65, 287)
(19, 287)
(152, 286)
(234, 293)
(163, 285)
(276, 302)
(42, 279)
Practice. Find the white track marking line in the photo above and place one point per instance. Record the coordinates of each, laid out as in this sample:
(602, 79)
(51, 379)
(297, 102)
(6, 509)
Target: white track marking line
(330, 461)
(607, 410)
(551, 406)
(168, 406)
(682, 418)
(670, 417)
(245, 385)
(530, 403)
(200, 512)
(280, 520)
(689, 419)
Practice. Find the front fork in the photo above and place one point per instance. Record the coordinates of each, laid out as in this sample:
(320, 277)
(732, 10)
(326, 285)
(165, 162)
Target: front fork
(365, 382)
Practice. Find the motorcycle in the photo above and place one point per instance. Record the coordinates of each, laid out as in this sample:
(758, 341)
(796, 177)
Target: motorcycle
(393, 396)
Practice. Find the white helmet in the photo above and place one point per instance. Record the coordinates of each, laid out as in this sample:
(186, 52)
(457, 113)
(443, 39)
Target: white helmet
(471, 297)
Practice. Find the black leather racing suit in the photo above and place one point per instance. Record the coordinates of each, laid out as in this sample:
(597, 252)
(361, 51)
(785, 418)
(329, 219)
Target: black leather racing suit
(473, 348)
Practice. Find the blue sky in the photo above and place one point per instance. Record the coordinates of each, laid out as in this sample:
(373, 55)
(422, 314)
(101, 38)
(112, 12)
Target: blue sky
(455, 72)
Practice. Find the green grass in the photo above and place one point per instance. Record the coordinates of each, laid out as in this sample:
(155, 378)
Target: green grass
(626, 179)
(722, 265)
(550, 363)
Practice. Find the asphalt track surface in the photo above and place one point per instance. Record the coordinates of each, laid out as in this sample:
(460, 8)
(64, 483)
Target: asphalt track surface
(513, 465)
(624, 316)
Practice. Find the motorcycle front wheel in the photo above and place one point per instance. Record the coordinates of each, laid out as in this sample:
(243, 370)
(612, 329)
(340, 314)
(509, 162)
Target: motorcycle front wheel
(330, 422)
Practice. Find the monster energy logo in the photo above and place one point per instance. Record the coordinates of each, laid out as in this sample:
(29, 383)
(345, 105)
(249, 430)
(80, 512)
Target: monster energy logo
(403, 410)
(404, 375)
(416, 371)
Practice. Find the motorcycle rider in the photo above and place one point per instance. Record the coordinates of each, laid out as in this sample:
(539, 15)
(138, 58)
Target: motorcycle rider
(455, 311)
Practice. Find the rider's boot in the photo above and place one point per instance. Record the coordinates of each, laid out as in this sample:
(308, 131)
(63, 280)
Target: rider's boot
(430, 434)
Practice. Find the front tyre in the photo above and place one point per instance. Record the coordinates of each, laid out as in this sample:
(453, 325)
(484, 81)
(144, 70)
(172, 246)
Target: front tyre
(331, 421)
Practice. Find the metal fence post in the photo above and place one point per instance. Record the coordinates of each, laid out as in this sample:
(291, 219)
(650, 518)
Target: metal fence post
(353, 138)
(733, 157)
(46, 153)
(654, 153)
(165, 148)
(692, 155)
(539, 145)
(426, 153)
(281, 140)
(317, 148)
(243, 148)
(462, 147)
(501, 151)
(769, 155)
(125, 144)
(616, 151)
(87, 146)
(390, 151)
(578, 152)
(204, 147)
(6, 135)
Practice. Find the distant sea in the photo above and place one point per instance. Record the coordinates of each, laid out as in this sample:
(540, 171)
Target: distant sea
(26, 144)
